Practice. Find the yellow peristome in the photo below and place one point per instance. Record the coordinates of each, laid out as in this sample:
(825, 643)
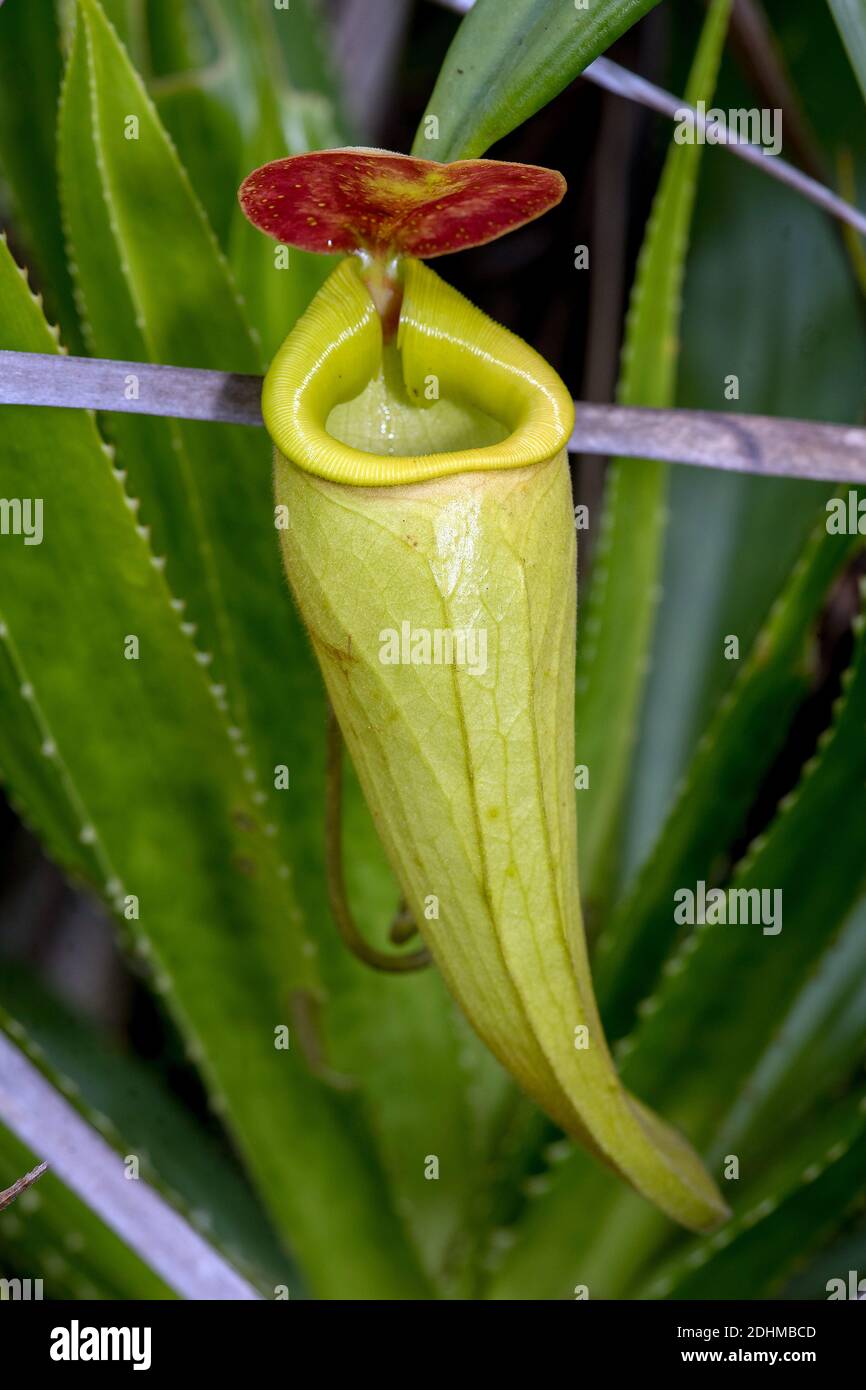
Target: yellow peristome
(466, 759)
(336, 350)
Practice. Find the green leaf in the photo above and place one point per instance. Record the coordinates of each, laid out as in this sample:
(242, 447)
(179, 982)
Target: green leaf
(850, 17)
(507, 61)
(30, 42)
(170, 32)
(549, 1249)
(143, 754)
(722, 781)
(732, 540)
(814, 1052)
(802, 1200)
(155, 285)
(845, 1251)
(615, 628)
(134, 1111)
(209, 143)
(130, 19)
(48, 1233)
(692, 1047)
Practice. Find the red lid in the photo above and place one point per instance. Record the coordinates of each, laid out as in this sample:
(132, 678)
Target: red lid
(391, 204)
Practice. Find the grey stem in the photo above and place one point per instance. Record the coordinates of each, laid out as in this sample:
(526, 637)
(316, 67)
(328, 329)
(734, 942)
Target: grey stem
(34, 1111)
(137, 388)
(734, 443)
(739, 443)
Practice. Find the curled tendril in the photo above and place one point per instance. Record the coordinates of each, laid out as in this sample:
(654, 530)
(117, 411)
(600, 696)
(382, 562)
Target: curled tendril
(387, 961)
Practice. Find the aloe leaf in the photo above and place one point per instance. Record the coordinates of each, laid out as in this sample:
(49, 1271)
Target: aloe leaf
(130, 20)
(850, 17)
(48, 1233)
(615, 629)
(30, 42)
(214, 906)
(732, 541)
(799, 1202)
(205, 489)
(133, 1110)
(722, 780)
(834, 1259)
(208, 141)
(817, 1048)
(508, 61)
(690, 1045)
(547, 1251)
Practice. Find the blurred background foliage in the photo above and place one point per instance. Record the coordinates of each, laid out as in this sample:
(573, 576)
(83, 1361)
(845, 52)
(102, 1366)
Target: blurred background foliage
(155, 778)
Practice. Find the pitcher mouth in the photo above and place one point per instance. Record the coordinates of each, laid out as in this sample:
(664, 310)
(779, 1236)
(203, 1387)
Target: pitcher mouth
(506, 407)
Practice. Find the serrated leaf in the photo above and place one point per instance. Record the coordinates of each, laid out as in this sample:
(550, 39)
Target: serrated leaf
(802, 1200)
(30, 42)
(691, 1045)
(155, 285)
(834, 1259)
(508, 61)
(720, 785)
(143, 755)
(616, 624)
(550, 1248)
(732, 541)
(130, 20)
(814, 1052)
